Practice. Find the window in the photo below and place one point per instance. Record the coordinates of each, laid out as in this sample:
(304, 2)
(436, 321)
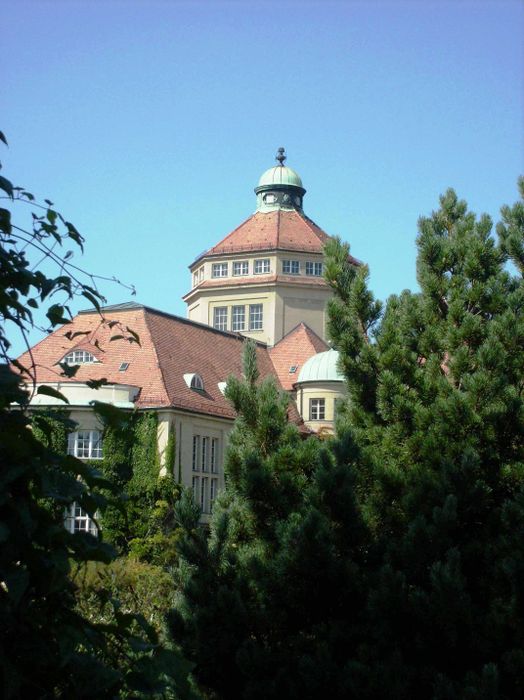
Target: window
(78, 357)
(214, 456)
(85, 444)
(213, 488)
(77, 520)
(203, 494)
(195, 279)
(203, 455)
(219, 270)
(291, 267)
(238, 318)
(197, 383)
(201, 274)
(123, 366)
(270, 198)
(317, 409)
(314, 268)
(220, 318)
(261, 266)
(241, 268)
(196, 483)
(255, 317)
(196, 445)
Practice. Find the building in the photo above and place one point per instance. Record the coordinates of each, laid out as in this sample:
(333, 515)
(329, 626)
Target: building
(264, 281)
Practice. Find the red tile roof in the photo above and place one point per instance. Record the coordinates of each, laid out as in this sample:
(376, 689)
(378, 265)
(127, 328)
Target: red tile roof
(293, 350)
(276, 230)
(170, 346)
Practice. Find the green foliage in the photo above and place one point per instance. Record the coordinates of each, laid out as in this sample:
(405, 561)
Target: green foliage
(48, 648)
(142, 523)
(388, 561)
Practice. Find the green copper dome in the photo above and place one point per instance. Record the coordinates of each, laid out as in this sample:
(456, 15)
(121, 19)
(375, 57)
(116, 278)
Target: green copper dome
(321, 368)
(280, 175)
(279, 187)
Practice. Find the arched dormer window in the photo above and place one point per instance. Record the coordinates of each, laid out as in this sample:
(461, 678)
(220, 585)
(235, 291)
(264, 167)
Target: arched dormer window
(194, 381)
(78, 357)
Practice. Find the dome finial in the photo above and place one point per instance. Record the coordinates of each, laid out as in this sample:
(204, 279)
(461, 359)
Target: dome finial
(281, 155)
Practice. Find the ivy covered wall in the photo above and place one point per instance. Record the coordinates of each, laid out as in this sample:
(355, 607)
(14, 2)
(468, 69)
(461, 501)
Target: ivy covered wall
(140, 523)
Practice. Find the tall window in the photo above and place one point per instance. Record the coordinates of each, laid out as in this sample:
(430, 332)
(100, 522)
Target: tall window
(291, 267)
(241, 267)
(203, 455)
(196, 445)
(203, 494)
(85, 444)
(213, 488)
(317, 409)
(220, 318)
(214, 455)
(219, 270)
(77, 520)
(314, 268)
(195, 279)
(255, 317)
(78, 357)
(196, 494)
(238, 318)
(261, 266)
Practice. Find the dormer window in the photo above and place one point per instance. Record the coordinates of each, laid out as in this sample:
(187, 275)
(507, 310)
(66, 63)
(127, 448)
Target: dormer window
(79, 357)
(194, 381)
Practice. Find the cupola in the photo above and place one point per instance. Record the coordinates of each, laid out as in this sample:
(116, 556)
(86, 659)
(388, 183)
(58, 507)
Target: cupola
(280, 187)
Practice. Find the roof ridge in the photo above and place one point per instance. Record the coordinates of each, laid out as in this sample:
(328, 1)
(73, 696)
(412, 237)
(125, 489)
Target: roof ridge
(159, 364)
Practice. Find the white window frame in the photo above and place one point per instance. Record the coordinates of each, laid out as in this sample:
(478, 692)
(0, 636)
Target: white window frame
(238, 324)
(317, 409)
(196, 451)
(220, 314)
(213, 490)
(85, 444)
(203, 494)
(240, 268)
(291, 267)
(314, 269)
(204, 453)
(213, 461)
(79, 357)
(256, 317)
(219, 270)
(264, 264)
(77, 520)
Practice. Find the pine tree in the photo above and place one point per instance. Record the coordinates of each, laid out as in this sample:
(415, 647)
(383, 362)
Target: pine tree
(387, 562)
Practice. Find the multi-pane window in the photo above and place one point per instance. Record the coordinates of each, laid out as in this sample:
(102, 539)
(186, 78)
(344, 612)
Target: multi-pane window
(195, 279)
(214, 455)
(77, 520)
(220, 318)
(85, 444)
(255, 317)
(203, 454)
(203, 494)
(213, 487)
(261, 266)
(314, 268)
(241, 267)
(317, 409)
(78, 357)
(238, 318)
(219, 270)
(196, 445)
(291, 267)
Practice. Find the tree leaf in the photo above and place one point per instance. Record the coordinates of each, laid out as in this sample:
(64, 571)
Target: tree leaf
(49, 391)
(7, 186)
(3, 138)
(96, 383)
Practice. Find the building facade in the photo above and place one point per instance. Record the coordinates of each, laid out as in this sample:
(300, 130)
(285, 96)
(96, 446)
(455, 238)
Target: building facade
(263, 281)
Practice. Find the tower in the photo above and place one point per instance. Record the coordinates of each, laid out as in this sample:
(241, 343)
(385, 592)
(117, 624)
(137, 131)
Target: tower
(265, 277)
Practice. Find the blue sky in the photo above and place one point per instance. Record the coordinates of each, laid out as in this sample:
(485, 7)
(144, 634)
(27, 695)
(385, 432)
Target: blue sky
(149, 123)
